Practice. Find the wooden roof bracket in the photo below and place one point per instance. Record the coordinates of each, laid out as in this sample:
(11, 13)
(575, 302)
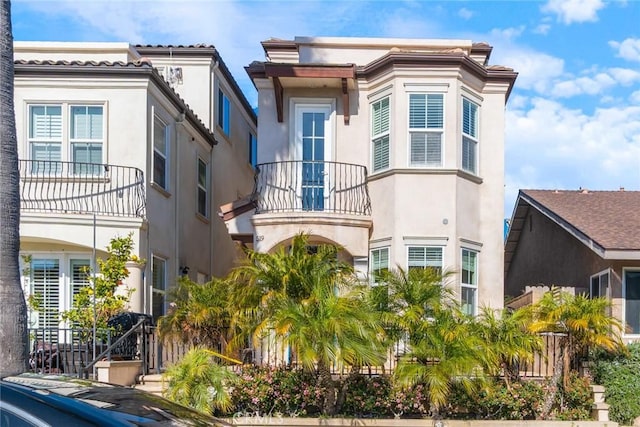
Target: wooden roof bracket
(279, 95)
(345, 101)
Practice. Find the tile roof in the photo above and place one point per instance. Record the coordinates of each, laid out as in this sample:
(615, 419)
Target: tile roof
(142, 65)
(609, 218)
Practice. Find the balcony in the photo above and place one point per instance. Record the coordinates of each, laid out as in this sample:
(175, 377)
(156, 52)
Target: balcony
(71, 187)
(312, 186)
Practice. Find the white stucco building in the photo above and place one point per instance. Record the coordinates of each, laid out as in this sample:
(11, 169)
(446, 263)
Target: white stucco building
(116, 139)
(391, 148)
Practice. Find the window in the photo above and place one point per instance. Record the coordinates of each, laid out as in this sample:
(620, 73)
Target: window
(158, 277)
(85, 135)
(203, 188)
(380, 120)
(600, 285)
(469, 281)
(253, 150)
(426, 124)
(45, 289)
(631, 289)
(80, 272)
(379, 263)
(86, 139)
(424, 257)
(469, 136)
(224, 110)
(160, 152)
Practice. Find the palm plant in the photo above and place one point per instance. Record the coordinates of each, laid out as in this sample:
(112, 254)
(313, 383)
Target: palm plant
(197, 381)
(508, 343)
(331, 326)
(13, 309)
(582, 323)
(444, 352)
(199, 314)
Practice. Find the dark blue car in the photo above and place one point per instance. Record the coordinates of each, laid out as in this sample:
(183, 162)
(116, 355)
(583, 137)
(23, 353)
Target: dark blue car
(54, 400)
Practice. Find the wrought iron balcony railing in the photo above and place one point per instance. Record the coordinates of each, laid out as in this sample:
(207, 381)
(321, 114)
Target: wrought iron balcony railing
(71, 187)
(312, 186)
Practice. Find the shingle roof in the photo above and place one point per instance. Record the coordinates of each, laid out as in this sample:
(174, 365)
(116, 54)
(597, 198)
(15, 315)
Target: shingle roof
(609, 218)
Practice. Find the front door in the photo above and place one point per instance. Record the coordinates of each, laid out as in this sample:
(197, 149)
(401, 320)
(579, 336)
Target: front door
(313, 145)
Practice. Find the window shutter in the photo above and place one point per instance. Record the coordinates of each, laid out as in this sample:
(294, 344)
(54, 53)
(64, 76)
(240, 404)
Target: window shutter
(416, 257)
(46, 122)
(433, 257)
(381, 153)
(45, 282)
(469, 118)
(79, 275)
(435, 113)
(468, 154)
(417, 111)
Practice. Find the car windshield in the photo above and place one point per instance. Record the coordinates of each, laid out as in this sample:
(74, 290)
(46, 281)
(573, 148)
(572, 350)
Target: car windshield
(126, 403)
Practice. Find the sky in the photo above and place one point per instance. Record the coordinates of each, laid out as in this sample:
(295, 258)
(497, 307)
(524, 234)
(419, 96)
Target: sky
(573, 118)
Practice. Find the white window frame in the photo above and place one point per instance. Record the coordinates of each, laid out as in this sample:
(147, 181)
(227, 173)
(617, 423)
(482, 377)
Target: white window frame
(224, 112)
(65, 284)
(471, 138)
(599, 277)
(372, 269)
(156, 290)
(89, 141)
(202, 187)
(66, 141)
(378, 136)
(470, 286)
(164, 155)
(426, 249)
(626, 270)
(427, 131)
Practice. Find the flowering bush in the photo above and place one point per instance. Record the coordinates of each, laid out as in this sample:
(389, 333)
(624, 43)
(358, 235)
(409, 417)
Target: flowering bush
(269, 390)
(367, 397)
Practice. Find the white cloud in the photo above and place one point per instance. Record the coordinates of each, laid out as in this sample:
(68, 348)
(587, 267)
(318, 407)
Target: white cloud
(570, 11)
(465, 13)
(628, 49)
(507, 33)
(635, 97)
(549, 146)
(542, 29)
(536, 70)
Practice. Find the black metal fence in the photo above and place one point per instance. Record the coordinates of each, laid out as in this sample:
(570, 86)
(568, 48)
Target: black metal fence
(72, 187)
(312, 186)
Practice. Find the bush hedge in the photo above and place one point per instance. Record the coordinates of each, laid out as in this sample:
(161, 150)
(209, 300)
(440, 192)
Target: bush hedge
(620, 375)
(287, 392)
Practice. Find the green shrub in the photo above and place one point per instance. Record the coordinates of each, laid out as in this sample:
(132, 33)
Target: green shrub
(367, 397)
(619, 375)
(573, 402)
(269, 390)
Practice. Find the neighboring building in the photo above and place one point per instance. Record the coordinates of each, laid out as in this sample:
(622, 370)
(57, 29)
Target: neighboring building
(107, 148)
(582, 240)
(390, 148)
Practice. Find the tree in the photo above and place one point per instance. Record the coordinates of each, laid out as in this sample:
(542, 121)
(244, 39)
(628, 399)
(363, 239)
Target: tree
(332, 326)
(507, 342)
(445, 351)
(582, 323)
(307, 298)
(13, 310)
(199, 314)
(106, 302)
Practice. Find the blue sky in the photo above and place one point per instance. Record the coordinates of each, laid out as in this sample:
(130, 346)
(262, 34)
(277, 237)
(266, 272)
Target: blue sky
(573, 119)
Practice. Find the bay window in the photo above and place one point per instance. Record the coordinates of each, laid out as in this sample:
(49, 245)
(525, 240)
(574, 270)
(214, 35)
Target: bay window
(424, 257)
(380, 121)
(160, 152)
(469, 136)
(469, 281)
(426, 127)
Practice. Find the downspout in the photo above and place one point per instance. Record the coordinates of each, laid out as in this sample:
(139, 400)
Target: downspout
(176, 201)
